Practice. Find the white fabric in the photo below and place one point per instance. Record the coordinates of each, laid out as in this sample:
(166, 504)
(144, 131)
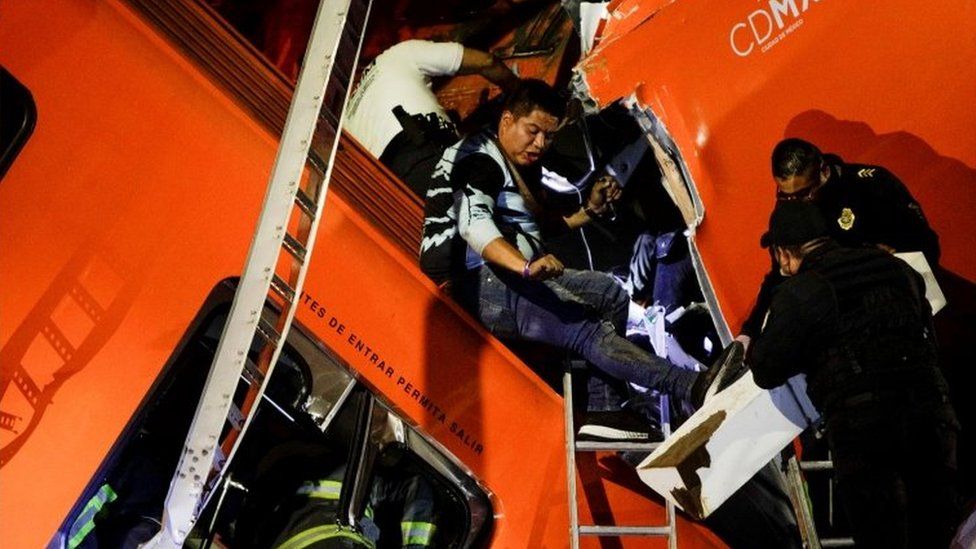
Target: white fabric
(933, 292)
(399, 76)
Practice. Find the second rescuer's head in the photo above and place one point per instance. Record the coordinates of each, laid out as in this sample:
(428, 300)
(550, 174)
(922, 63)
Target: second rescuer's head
(795, 228)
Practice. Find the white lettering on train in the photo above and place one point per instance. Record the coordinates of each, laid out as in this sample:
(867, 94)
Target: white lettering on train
(767, 26)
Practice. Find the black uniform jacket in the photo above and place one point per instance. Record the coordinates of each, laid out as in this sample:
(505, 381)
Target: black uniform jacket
(864, 205)
(868, 205)
(852, 320)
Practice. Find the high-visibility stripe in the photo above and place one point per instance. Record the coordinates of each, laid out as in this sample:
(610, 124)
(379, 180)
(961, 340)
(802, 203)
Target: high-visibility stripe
(320, 533)
(417, 533)
(324, 489)
(85, 522)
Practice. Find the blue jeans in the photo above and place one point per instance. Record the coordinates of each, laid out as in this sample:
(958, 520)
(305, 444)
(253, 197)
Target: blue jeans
(582, 311)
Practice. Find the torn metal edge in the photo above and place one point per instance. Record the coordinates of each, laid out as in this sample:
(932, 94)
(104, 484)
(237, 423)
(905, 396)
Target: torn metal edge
(656, 130)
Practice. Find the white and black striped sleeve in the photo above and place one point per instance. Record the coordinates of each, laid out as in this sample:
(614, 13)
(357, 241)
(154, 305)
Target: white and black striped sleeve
(480, 179)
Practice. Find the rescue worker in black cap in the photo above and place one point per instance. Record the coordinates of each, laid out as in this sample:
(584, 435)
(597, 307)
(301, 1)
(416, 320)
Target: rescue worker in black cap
(863, 205)
(856, 322)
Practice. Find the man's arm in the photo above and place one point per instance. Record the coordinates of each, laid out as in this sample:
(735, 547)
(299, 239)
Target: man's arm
(754, 322)
(605, 191)
(450, 58)
(490, 67)
(799, 318)
(481, 180)
(500, 253)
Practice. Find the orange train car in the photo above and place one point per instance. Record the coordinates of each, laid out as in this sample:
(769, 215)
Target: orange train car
(145, 133)
(129, 201)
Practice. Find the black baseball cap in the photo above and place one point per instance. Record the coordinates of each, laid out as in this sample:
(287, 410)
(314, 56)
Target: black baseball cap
(794, 222)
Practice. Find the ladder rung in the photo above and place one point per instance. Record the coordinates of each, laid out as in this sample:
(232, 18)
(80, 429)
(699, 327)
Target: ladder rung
(609, 531)
(252, 373)
(294, 247)
(235, 417)
(316, 161)
(588, 446)
(268, 332)
(837, 542)
(825, 465)
(305, 203)
(282, 288)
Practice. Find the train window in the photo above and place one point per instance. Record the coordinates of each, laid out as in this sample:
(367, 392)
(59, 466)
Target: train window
(314, 421)
(18, 115)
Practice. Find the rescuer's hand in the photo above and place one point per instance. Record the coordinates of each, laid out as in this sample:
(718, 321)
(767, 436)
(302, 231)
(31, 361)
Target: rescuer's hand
(744, 340)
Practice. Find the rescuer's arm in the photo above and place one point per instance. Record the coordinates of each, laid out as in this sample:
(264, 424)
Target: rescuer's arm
(754, 322)
(799, 317)
(605, 192)
(490, 67)
(450, 58)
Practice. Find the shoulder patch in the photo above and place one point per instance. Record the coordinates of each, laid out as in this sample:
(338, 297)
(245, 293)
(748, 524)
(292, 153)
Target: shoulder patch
(865, 173)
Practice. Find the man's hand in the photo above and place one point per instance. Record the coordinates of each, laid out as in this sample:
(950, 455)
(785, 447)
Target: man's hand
(744, 340)
(605, 192)
(545, 267)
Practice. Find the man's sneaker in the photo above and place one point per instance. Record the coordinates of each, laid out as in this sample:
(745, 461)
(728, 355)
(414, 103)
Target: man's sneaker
(727, 368)
(620, 426)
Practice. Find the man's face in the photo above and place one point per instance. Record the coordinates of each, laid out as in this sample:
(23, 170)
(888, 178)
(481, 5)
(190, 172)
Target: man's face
(523, 139)
(802, 186)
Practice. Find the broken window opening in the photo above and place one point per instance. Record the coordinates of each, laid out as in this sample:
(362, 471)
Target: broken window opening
(647, 242)
(681, 187)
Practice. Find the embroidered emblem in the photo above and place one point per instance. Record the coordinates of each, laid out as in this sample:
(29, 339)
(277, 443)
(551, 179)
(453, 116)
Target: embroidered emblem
(846, 219)
(866, 172)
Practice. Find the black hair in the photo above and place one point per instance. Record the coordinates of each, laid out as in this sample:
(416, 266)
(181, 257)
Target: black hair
(792, 157)
(803, 250)
(534, 94)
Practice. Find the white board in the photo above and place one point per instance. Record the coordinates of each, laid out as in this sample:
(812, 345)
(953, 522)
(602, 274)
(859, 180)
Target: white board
(738, 431)
(723, 444)
(933, 293)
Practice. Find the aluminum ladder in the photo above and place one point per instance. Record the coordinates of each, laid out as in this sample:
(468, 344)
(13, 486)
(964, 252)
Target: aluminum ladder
(576, 530)
(795, 470)
(273, 275)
